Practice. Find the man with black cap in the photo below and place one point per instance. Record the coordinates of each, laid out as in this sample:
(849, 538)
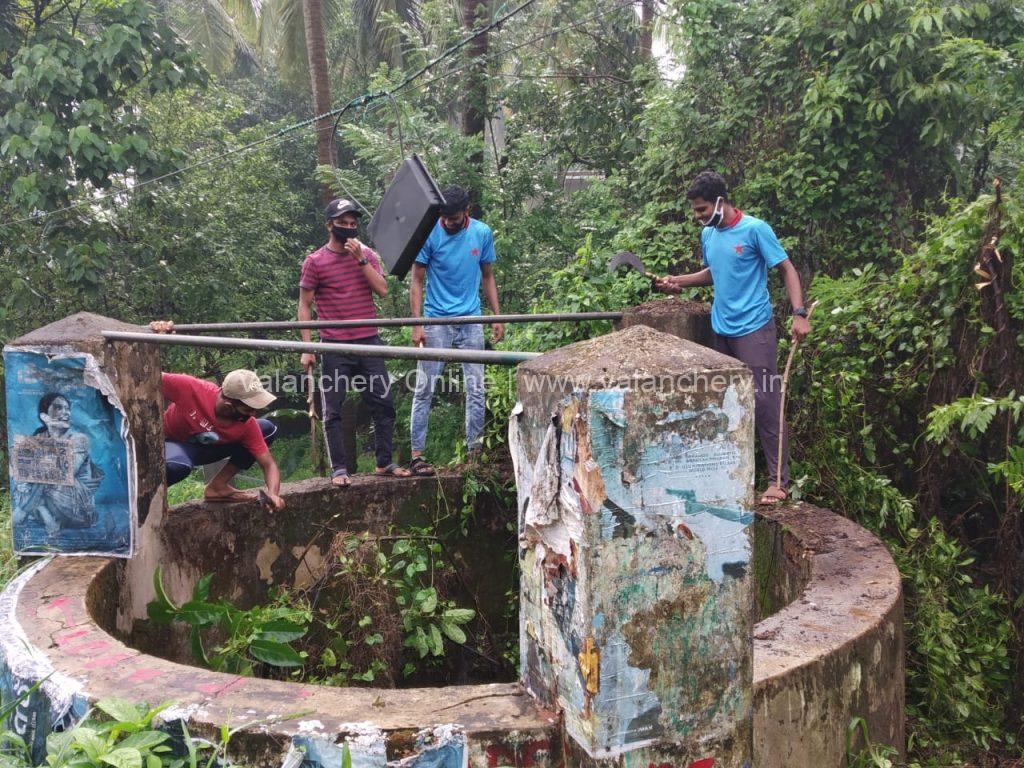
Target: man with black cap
(341, 278)
(453, 264)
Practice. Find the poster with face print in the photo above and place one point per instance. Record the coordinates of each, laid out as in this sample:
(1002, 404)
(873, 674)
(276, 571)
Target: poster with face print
(71, 465)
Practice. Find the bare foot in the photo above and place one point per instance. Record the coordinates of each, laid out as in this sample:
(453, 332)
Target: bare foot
(228, 494)
(392, 470)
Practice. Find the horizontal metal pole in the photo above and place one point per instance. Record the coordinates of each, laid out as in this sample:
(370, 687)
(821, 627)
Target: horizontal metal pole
(491, 357)
(394, 322)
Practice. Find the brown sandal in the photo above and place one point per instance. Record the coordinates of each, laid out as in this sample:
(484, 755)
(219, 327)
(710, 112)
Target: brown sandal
(770, 496)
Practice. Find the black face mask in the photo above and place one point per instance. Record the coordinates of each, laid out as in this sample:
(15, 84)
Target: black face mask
(341, 234)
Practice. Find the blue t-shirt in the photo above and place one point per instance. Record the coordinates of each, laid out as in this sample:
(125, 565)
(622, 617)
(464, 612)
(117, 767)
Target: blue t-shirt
(453, 269)
(739, 257)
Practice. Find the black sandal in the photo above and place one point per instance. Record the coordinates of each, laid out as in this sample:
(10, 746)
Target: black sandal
(420, 467)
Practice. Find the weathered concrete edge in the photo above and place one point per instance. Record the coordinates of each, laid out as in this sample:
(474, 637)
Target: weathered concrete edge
(54, 610)
(852, 604)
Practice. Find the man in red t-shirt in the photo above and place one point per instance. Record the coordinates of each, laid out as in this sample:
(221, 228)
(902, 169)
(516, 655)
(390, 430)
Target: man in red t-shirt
(205, 423)
(341, 278)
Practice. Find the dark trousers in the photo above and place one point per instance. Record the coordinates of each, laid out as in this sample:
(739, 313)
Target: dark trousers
(182, 458)
(368, 375)
(760, 352)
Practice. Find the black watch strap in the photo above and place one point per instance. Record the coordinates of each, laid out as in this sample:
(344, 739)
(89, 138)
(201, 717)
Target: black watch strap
(364, 261)
(800, 312)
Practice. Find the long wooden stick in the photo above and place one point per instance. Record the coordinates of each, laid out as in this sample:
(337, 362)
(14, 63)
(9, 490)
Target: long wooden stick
(314, 444)
(782, 404)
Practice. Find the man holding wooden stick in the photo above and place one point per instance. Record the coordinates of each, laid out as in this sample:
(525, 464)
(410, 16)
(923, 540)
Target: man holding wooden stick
(738, 250)
(340, 279)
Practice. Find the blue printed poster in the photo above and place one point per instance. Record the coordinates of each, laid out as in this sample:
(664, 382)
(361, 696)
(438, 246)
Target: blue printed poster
(71, 465)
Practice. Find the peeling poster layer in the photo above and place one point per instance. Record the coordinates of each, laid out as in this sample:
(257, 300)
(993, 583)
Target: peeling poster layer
(72, 467)
(443, 746)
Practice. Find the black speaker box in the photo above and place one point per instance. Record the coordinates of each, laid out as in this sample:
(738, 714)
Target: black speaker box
(406, 215)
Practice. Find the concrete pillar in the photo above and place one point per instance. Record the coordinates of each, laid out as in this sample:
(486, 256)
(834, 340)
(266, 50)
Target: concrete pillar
(114, 472)
(634, 463)
(686, 319)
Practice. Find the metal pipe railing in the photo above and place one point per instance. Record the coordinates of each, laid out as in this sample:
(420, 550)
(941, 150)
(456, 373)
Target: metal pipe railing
(491, 357)
(395, 322)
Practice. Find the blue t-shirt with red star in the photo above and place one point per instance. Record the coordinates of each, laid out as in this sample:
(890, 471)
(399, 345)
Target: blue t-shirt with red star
(453, 268)
(739, 257)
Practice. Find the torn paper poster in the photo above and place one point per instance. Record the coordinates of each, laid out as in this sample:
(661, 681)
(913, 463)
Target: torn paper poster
(636, 601)
(72, 463)
(365, 746)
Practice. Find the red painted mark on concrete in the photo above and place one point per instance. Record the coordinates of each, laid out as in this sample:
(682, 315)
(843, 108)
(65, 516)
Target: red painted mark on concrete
(107, 661)
(62, 605)
(66, 636)
(216, 689)
(525, 755)
(707, 762)
(144, 675)
(90, 648)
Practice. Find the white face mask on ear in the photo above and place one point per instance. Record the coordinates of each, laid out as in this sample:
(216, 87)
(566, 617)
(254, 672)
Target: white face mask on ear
(716, 216)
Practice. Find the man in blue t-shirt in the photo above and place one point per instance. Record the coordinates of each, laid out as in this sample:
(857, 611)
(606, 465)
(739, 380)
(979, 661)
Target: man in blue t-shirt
(454, 263)
(738, 250)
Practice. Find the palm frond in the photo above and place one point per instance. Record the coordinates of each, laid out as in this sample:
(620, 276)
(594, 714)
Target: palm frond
(212, 30)
(382, 23)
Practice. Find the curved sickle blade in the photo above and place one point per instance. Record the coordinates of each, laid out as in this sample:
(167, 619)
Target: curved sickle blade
(626, 259)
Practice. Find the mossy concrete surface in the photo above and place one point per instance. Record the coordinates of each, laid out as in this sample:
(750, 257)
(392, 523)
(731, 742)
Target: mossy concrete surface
(249, 549)
(836, 651)
(684, 318)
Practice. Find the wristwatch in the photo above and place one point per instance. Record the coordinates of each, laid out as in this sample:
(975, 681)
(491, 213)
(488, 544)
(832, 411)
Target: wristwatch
(363, 261)
(800, 312)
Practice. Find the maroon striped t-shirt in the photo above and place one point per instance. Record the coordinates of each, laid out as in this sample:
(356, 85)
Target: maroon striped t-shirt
(340, 291)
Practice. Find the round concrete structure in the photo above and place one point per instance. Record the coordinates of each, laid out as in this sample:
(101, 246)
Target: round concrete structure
(831, 650)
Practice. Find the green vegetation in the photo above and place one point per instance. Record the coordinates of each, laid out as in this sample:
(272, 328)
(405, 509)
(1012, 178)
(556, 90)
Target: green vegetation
(378, 598)
(259, 635)
(869, 133)
(8, 562)
(122, 734)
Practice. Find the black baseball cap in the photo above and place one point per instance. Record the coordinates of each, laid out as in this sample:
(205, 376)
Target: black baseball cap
(337, 207)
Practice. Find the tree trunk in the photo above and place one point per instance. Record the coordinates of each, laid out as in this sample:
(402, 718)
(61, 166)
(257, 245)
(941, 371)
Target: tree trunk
(646, 27)
(316, 50)
(474, 116)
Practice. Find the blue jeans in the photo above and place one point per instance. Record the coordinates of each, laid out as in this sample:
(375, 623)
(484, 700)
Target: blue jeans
(429, 372)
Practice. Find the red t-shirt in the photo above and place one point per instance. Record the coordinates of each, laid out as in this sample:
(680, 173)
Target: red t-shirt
(191, 411)
(340, 291)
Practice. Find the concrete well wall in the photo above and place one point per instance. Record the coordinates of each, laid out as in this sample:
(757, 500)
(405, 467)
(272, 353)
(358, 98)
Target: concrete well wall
(249, 550)
(832, 653)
